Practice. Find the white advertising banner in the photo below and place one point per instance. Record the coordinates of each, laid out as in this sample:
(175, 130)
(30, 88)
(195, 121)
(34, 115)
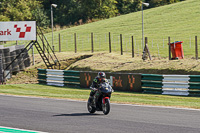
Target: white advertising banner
(17, 30)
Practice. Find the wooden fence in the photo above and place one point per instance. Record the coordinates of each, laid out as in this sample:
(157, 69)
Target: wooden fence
(124, 43)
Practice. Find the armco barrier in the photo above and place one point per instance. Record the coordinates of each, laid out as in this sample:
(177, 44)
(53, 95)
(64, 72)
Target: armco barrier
(194, 85)
(119, 81)
(152, 83)
(58, 77)
(187, 85)
(171, 84)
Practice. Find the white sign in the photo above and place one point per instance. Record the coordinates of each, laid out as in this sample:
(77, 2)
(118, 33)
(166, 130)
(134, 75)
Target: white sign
(17, 30)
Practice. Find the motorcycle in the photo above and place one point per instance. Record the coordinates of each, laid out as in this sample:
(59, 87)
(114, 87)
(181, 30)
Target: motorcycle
(101, 99)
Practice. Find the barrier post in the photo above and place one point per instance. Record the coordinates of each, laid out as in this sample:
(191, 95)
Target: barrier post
(132, 47)
(92, 43)
(121, 44)
(109, 43)
(196, 48)
(75, 42)
(169, 48)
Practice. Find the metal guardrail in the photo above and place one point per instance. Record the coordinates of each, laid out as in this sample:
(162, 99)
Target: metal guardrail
(152, 83)
(119, 81)
(187, 85)
(58, 77)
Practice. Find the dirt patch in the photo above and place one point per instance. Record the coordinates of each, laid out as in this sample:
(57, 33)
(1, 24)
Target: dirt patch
(65, 63)
(125, 63)
(29, 75)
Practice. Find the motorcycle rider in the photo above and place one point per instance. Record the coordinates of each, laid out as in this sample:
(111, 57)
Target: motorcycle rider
(101, 77)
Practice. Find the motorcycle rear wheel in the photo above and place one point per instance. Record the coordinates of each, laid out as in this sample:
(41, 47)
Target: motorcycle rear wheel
(90, 108)
(106, 107)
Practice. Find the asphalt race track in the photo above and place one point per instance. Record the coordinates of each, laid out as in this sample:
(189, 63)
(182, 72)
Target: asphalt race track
(64, 116)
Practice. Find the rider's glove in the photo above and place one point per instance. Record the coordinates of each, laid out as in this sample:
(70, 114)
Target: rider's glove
(92, 88)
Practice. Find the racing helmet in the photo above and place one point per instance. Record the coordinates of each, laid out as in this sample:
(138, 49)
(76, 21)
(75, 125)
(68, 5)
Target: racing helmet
(101, 75)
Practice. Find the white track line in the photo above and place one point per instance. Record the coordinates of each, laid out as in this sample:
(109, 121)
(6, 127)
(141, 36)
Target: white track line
(19, 130)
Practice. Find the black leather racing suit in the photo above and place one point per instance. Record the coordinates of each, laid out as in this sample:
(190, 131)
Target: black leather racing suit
(95, 85)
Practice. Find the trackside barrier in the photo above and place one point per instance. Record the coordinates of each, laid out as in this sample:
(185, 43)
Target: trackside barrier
(119, 81)
(152, 83)
(187, 85)
(194, 83)
(58, 77)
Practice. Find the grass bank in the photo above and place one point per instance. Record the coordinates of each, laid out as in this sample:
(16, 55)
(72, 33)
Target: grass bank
(82, 94)
(180, 21)
(110, 62)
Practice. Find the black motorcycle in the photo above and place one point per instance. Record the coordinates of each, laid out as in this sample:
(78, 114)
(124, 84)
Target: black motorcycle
(101, 99)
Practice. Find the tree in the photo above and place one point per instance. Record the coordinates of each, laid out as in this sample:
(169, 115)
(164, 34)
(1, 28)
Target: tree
(70, 11)
(98, 8)
(107, 9)
(124, 6)
(23, 10)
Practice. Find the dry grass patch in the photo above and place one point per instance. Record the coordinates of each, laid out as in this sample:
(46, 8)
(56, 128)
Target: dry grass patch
(111, 62)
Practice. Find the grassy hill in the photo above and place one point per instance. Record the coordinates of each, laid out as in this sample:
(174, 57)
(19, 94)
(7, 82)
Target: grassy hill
(180, 21)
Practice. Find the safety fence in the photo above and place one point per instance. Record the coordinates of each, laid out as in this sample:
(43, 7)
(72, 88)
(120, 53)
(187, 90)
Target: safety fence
(58, 77)
(122, 43)
(187, 85)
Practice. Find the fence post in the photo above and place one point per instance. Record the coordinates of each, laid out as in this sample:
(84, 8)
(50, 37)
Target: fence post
(59, 44)
(196, 48)
(109, 43)
(132, 47)
(169, 48)
(146, 42)
(121, 44)
(92, 43)
(75, 42)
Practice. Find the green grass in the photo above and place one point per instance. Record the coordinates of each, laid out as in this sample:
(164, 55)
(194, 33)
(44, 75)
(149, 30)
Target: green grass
(180, 21)
(83, 94)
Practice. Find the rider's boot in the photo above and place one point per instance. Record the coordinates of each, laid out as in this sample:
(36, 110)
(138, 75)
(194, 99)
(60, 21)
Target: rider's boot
(92, 96)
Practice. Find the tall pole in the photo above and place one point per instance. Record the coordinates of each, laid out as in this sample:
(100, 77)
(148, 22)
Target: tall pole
(142, 30)
(52, 23)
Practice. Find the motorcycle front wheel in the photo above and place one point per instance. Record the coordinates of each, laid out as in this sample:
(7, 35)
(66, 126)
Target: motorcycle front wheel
(90, 108)
(106, 106)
